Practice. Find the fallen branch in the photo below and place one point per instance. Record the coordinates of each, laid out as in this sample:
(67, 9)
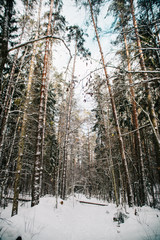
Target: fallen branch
(146, 125)
(99, 204)
(19, 199)
(142, 71)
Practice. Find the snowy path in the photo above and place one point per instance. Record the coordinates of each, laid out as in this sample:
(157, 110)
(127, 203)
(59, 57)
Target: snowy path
(76, 221)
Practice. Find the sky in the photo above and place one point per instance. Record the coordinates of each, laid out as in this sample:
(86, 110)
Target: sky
(77, 16)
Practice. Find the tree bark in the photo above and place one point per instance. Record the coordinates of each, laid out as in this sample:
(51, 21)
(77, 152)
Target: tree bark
(38, 155)
(107, 134)
(24, 123)
(141, 173)
(68, 119)
(121, 143)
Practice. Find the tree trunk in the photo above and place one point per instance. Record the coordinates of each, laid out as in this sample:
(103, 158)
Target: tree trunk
(107, 134)
(121, 144)
(24, 123)
(68, 119)
(45, 108)
(141, 174)
(3, 186)
(38, 155)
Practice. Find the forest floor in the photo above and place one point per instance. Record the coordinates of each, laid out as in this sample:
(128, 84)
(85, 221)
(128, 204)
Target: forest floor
(78, 221)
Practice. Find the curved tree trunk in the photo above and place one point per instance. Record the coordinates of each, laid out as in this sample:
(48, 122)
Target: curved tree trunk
(121, 143)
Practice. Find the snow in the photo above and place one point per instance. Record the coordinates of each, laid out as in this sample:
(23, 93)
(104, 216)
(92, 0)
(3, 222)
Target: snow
(76, 221)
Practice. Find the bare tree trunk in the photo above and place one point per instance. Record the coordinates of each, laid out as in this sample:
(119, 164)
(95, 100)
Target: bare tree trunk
(111, 163)
(38, 155)
(24, 123)
(60, 142)
(136, 126)
(68, 118)
(107, 134)
(121, 144)
(45, 108)
(43, 134)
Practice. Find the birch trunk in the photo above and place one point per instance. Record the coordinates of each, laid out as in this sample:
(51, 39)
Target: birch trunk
(121, 143)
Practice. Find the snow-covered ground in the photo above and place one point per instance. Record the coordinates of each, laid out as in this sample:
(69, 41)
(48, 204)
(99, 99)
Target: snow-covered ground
(78, 221)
